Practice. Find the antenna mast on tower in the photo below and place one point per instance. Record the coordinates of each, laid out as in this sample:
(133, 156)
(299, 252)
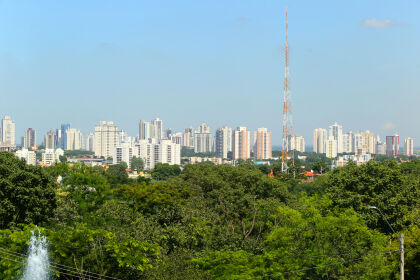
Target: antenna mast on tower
(287, 112)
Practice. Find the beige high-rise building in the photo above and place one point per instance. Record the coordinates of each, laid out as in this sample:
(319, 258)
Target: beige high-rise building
(368, 142)
(106, 139)
(262, 144)
(241, 143)
(7, 131)
(409, 146)
(188, 138)
(331, 147)
(296, 142)
(320, 140)
(74, 139)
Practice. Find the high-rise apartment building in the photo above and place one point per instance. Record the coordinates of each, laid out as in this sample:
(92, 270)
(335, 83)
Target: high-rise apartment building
(336, 131)
(223, 141)
(296, 142)
(74, 139)
(393, 145)
(8, 131)
(241, 143)
(348, 145)
(63, 143)
(177, 138)
(49, 140)
(188, 139)
(203, 140)
(106, 138)
(141, 130)
(320, 140)
(380, 148)
(90, 142)
(331, 147)
(29, 141)
(358, 143)
(157, 128)
(262, 144)
(167, 152)
(409, 146)
(368, 142)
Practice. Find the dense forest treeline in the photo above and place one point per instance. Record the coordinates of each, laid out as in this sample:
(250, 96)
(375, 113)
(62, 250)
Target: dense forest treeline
(211, 221)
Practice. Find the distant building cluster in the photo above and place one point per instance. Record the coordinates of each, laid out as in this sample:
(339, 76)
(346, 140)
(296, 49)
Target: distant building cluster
(153, 144)
(334, 142)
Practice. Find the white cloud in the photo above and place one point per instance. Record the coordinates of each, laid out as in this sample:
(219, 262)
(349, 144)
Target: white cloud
(379, 23)
(389, 126)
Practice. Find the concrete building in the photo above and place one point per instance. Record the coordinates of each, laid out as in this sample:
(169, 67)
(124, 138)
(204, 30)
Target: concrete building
(203, 140)
(64, 128)
(8, 131)
(368, 142)
(393, 145)
(157, 126)
(223, 142)
(74, 139)
(145, 150)
(359, 145)
(29, 140)
(167, 152)
(49, 140)
(409, 146)
(380, 148)
(241, 143)
(123, 153)
(296, 142)
(263, 140)
(51, 156)
(320, 140)
(348, 145)
(188, 139)
(331, 148)
(106, 138)
(177, 138)
(90, 142)
(141, 130)
(28, 156)
(336, 131)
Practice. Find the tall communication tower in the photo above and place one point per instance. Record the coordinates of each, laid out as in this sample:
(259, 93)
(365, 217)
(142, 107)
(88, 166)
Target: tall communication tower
(287, 112)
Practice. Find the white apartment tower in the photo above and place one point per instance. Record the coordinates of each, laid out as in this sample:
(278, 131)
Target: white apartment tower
(262, 144)
(28, 156)
(157, 125)
(320, 140)
(409, 146)
(241, 143)
(336, 131)
(348, 142)
(106, 138)
(223, 141)
(296, 143)
(7, 131)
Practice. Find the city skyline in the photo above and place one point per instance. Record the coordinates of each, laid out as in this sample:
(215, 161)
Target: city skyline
(352, 63)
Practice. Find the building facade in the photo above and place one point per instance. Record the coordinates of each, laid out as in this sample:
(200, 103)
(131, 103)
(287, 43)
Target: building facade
(223, 142)
(203, 140)
(106, 138)
(49, 140)
(331, 149)
(320, 140)
(393, 145)
(263, 144)
(336, 131)
(409, 146)
(241, 143)
(8, 131)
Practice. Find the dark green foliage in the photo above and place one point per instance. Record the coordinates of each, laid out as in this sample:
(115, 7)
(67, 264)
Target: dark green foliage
(382, 184)
(163, 171)
(27, 193)
(137, 164)
(223, 222)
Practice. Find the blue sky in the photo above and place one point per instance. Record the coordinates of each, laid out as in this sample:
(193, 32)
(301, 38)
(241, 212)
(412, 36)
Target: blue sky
(357, 63)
